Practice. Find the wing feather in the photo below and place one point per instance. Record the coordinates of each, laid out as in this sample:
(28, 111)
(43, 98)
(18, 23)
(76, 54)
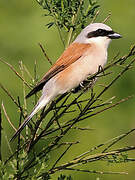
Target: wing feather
(69, 56)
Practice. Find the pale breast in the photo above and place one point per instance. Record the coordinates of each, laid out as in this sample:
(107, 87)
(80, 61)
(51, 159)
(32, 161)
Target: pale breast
(77, 72)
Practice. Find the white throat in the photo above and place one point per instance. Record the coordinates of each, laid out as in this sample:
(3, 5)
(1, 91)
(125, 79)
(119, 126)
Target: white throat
(99, 41)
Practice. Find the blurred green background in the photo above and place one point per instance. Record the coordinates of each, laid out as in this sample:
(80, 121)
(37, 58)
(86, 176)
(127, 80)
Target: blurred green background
(22, 27)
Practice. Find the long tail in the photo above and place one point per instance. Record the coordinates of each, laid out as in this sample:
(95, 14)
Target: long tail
(41, 103)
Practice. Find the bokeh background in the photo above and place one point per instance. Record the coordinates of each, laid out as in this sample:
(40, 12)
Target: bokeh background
(22, 27)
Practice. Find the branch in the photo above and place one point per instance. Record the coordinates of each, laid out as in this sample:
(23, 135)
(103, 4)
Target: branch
(91, 158)
(18, 75)
(43, 50)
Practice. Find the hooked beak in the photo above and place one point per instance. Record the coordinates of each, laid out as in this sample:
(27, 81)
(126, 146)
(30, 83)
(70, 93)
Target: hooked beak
(114, 36)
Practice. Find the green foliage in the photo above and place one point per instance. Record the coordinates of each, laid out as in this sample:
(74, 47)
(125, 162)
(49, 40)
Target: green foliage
(13, 167)
(69, 14)
(121, 158)
(8, 171)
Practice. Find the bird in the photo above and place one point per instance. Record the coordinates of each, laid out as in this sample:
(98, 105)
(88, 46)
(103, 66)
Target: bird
(80, 59)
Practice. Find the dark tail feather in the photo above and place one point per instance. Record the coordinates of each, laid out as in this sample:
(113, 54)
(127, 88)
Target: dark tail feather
(35, 89)
(40, 104)
(21, 127)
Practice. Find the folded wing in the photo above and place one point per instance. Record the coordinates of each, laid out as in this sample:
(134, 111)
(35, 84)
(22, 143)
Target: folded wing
(69, 56)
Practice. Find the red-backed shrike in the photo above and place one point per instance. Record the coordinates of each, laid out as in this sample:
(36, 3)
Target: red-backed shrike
(81, 59)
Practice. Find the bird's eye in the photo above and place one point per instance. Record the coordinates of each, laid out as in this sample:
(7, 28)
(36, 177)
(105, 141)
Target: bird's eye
(100, 31)
(97, 33)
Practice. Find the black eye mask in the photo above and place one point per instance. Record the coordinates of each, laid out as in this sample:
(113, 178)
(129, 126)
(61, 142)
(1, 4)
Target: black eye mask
(99, 32)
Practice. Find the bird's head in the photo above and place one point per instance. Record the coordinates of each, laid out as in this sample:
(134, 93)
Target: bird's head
(97, 33)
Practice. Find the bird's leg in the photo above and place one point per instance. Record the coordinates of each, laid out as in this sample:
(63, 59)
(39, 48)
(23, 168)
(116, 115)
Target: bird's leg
(85, 85)
(76, 89)
(81, 84)
(100, 69)
(79, 87)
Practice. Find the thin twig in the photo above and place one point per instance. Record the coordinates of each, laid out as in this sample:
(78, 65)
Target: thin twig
(23, 84)
(92, 158)
(117, 139)
(106, 19)
(24, 94)
(69, 122)
(12, 98)
(18, 147)
(18, 75)
(67, 143)
(46, 56)
(13, 154)
(112, 141)
(95, 17)
(83, 129)
(9, 95)
(28, 73)
(43, 115)
(61, 156)
(109, 107)
(8, 119)
(96, 172)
